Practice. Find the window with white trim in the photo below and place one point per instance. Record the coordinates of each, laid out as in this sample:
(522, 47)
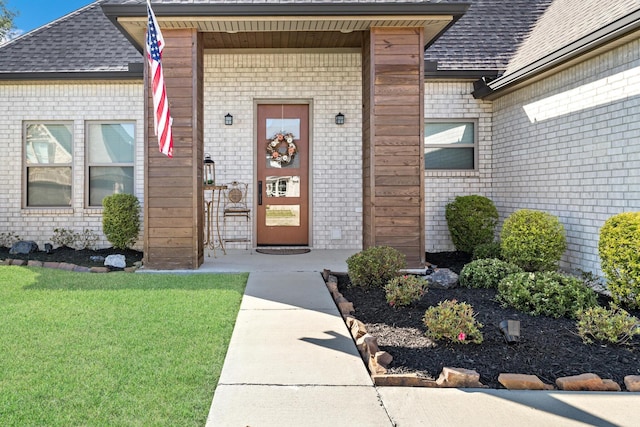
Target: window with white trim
(110, 159)
(450, 145)
(48, 154)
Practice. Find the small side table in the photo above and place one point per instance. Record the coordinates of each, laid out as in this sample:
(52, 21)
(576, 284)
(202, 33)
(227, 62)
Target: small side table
(212, 209)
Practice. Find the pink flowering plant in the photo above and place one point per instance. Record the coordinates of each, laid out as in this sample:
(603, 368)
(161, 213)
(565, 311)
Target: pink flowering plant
(403, 290)
(453, 321)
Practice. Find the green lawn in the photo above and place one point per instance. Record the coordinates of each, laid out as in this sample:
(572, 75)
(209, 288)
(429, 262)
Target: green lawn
(115, 349)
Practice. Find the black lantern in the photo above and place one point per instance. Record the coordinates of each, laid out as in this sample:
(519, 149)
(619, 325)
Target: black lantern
(339, 119)
(209, 170)
(228, 119)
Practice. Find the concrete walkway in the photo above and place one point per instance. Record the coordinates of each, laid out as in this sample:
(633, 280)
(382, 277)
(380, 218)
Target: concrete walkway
(292, 362)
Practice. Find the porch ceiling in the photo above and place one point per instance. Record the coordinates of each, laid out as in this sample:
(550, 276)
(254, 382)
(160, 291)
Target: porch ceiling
(237, 32)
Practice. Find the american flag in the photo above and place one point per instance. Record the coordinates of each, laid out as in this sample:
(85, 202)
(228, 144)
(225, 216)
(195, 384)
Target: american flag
(162, 118)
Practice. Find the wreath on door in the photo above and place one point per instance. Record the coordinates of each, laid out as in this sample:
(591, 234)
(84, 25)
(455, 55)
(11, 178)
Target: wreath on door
(281, 148)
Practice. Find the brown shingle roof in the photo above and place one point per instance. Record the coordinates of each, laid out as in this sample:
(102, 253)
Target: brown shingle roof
(487, 36)
(564, 22)
(496, 35)
(84, 41)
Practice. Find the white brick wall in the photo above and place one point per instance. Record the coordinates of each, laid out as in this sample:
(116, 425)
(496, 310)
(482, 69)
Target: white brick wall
(453, 100)
(583, 165)
(75, 102)
(570, 145)
(332, 82)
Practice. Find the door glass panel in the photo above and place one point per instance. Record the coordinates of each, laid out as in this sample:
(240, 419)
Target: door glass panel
(282, 216)
(275, 126)
(282, 150)
(283, 186)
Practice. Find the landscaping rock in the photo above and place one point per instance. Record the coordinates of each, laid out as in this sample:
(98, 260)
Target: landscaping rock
(345, 307)
(402, 380)
(459, 378)
(368, 348)
(67, 266)
(443, 278)
(383, 358)
(357, 328)
(99, 270)
(23, 247)
(523, 382)
(18, 262)
(632, 382)
(116, 261)
(332, 287)
(586, 382)
(97, 258)
(34, 263)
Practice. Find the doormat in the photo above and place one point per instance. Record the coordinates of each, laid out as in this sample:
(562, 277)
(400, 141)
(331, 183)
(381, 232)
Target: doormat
(284, 251)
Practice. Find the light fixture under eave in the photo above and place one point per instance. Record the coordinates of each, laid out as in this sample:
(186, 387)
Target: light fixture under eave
(339, 119)
(228, 119)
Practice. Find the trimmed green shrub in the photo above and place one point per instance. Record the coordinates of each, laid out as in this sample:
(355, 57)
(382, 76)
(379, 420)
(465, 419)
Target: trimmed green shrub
(533, 240)
(613, 325)
(619, 249)
(375, 266)
(486, 273)
(487, 250)
(403, 290)
(454, 321)
(471, 220)
(548, 293)
(121, 219)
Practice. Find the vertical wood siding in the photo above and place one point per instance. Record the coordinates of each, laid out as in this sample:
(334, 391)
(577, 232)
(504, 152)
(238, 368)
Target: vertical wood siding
(173, 196)
(393, 79)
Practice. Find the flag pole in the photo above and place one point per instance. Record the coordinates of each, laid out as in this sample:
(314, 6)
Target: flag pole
(162, 121)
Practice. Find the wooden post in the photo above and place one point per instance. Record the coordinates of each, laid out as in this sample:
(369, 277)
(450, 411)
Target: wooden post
(393, 133)
(173, 207)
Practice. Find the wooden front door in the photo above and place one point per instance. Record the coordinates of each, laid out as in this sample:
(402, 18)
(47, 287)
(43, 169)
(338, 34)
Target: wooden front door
(283, 175)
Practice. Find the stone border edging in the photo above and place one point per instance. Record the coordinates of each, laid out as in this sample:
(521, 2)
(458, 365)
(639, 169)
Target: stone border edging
(63, 266)
(378, 361)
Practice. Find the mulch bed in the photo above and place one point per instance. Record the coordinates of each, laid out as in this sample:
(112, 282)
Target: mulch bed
(549, 348)
(73, 256)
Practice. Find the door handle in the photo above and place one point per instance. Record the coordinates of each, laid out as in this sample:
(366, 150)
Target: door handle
(259, 193)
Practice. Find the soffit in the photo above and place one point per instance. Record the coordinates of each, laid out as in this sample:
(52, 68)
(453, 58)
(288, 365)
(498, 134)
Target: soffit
(285, 31)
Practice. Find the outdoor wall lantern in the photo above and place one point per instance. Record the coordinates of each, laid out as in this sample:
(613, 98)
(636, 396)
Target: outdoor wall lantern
(209, 170)
(228, 119)
(339, 119)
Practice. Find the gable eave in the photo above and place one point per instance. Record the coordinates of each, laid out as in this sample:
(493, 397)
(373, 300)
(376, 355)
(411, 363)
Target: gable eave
(232, 18)
(605, 38)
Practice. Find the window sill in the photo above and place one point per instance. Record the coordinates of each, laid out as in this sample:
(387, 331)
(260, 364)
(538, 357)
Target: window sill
(46, 211)
(448, 173)
(93, 211)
